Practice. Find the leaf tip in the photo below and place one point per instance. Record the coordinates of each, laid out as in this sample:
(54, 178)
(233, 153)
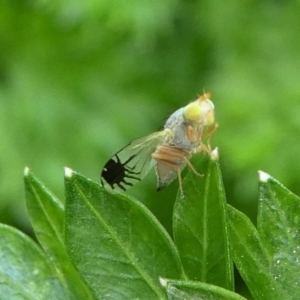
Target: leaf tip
(214, 155)
(263, 177)
(68, 172)
(26, 171)
(163, 282)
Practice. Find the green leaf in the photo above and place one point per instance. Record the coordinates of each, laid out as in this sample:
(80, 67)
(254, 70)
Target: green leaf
(191, 290)
(268, 258)
(251, 257)
(116, 243)
(279, 227)
(25, 271)
(200, 227)
(46, 213)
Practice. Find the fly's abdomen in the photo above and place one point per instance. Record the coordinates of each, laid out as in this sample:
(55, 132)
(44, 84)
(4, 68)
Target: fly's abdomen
(169, 163)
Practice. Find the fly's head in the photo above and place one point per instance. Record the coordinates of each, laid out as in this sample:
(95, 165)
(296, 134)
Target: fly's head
(200, 111)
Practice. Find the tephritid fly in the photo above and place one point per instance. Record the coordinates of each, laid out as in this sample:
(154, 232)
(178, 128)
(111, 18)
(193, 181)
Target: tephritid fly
(168, 150)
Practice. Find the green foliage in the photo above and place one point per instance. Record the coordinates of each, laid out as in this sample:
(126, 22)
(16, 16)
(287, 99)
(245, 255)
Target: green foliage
(110, 246)
(116, 244)
(80, 79)
(179, 290)
(25, 271)
(268, 257)
(47, 218)
(201, 241)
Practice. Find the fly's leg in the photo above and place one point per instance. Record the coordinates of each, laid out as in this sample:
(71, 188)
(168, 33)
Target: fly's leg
(194, 136)
(197, 136)
(208, 133)
(180, 183)
(203, 147)
(190, 165)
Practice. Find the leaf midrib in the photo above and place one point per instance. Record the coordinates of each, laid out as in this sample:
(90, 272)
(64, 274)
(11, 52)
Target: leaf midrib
(134, 263)
(281, 216)
(50, 224)
(266, 270)
(205, 230)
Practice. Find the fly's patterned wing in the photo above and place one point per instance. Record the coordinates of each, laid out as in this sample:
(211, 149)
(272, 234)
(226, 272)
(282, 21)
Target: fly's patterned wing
(132, 163)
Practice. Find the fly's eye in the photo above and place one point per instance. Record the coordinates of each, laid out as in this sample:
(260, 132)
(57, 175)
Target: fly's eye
(210, 103)
(209, 118)
(192, 112)
(204, 100)
(208, 111)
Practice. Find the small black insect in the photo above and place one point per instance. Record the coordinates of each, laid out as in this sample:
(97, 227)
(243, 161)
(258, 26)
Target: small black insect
(115, 172)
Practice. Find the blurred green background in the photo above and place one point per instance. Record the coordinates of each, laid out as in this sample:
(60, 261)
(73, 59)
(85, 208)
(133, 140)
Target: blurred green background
(81, 79)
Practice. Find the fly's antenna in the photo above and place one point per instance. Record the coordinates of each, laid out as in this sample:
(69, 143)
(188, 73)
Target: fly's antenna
(205, 96)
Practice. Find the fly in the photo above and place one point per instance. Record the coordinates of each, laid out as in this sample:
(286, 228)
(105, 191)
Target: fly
(168, 151)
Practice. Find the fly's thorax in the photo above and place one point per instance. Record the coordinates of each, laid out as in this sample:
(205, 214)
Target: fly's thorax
(180, 138)
(177, 125)
(175, 118)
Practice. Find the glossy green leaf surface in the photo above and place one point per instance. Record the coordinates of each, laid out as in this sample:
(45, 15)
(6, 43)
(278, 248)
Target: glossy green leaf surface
(200, 227)
(116, 243)
(25, 271)
(279, 228)
(46, 214)
(183, 290)
(268, 258)
(250, 256)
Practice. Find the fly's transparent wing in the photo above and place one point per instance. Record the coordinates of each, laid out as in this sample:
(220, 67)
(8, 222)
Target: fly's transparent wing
(132, 163)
